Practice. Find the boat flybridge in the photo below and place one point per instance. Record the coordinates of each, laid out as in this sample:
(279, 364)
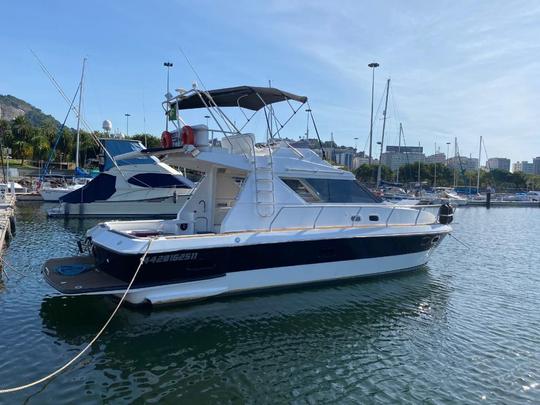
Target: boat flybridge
(263, 215)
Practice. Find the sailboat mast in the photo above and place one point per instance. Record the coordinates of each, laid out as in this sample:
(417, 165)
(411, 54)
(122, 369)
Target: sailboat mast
(399, 149)
(79, 115)
(479, 157)
(419, 184)
(455, 162)
(382, 138)
(435, 168)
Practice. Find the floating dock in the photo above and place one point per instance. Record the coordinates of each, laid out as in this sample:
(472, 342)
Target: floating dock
(496, 203)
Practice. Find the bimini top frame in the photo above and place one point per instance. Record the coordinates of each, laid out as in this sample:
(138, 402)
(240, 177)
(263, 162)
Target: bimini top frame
(244, 97)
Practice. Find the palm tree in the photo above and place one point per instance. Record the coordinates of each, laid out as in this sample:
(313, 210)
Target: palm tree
(22, 150)
(40, 146)
(21, 128)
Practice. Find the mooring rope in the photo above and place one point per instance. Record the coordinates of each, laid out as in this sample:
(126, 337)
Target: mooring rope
(4, 263)
(89, 345)
(463, 243)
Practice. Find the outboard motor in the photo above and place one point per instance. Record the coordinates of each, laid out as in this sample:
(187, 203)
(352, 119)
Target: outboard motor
(446, 214)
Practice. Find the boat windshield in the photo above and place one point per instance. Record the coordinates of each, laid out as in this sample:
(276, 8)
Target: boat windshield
(117, 147)
(314, 190)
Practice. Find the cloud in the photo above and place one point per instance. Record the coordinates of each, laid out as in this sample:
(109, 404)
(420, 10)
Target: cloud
(458, 69)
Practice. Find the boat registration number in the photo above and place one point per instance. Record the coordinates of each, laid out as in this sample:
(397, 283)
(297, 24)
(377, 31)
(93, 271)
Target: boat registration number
(177, 257)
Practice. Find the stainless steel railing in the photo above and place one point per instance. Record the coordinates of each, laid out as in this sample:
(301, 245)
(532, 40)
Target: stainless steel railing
(355, 215)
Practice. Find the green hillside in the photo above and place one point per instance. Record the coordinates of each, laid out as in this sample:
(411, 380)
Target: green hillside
(12, 107)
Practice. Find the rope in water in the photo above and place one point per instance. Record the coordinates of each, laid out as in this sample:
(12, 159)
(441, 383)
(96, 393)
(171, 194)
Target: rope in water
(4, 263)
(74, 359)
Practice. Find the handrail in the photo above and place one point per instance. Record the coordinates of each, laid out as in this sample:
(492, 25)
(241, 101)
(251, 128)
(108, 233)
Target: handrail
(418, 216)
(322, 207)
(388, 217)
(298, 153)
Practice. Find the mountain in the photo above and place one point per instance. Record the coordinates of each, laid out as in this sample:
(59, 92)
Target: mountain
(12, 107)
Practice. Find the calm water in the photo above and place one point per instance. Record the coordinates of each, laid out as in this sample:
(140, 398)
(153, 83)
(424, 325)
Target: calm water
(464, 329)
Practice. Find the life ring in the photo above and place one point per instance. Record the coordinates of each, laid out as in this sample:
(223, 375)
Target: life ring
(188, 136)
(166, 139)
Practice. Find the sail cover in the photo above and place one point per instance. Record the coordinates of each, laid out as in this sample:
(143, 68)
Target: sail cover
(252, 98)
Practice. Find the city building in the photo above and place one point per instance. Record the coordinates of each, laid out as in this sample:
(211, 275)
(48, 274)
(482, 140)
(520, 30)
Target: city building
(536, 165)
(463, 163)
(360, 160)
(524, 167)
(398, 156)
(436, 158)
(498, 163)
(344, 157)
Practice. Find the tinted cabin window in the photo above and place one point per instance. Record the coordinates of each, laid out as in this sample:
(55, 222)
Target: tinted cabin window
(300, 188)
(331, 191)
(157, 180)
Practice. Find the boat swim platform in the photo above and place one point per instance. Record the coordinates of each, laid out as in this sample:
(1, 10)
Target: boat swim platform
(79, 275)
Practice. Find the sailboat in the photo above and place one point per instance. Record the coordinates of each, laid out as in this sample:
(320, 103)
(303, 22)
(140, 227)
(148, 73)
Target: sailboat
(51, 193)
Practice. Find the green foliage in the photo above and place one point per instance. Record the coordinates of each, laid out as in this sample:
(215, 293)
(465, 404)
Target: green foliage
(368, 173)
(28, 141)
(433, 173)
(501, 180)
(147, 139)
(33, 115)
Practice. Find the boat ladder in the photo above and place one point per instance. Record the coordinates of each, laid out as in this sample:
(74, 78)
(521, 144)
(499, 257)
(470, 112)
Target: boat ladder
(264, 185)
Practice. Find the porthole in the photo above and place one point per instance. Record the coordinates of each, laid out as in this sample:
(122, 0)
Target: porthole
(374, 218)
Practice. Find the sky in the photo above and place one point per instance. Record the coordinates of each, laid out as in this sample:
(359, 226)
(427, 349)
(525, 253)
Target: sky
(457, 68)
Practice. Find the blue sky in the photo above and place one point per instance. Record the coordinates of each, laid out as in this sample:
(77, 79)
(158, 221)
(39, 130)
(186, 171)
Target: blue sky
(458, 69)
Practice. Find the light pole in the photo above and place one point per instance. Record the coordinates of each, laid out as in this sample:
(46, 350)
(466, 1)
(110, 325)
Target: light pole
(355, 145)
(447, 152)
(127, 123)
(168, 65)
(372, 65)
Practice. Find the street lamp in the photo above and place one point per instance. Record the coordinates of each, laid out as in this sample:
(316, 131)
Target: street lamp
(447, 152)
(127, 123)
(168, 65)
(372, 65)
(355, 145)
(207, 118)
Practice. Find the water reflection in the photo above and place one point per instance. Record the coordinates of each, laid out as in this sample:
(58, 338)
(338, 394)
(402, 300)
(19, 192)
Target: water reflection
(312, 310)
(462, 329)
(218, 343)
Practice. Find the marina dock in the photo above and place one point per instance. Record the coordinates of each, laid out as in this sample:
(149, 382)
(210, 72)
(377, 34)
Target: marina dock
(7, 219)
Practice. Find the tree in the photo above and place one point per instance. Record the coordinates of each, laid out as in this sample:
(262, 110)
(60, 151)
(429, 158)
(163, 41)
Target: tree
(368, 173)
(21, 129)
(66, 145)
(22, 150)
(151, 140)
(5, 132)
(40, 146)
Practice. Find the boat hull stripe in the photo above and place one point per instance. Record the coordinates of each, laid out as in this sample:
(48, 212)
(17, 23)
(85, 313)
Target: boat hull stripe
(197, 264)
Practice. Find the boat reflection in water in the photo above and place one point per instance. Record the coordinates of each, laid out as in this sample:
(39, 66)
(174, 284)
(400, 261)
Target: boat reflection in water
(316, 311)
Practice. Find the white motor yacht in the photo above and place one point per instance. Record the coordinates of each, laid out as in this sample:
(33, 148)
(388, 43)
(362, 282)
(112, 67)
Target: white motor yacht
(262, 216)
(141, 186)
(50, 193)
